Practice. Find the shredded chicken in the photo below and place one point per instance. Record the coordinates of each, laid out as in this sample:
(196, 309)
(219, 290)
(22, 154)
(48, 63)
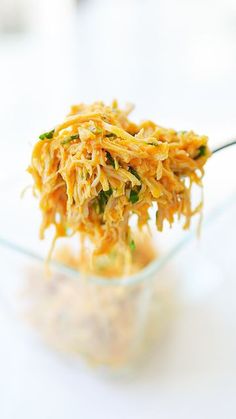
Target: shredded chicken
(97, 168)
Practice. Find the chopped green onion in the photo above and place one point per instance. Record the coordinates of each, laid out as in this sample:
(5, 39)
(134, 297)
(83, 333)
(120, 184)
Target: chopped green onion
(132, 245)
(69, 139)
(109, 192)
(110, 159)
(103, 197)
(47, 135)
(133, 196)
(201, 152)
(134, 172)
(182, 132)
(110, 135)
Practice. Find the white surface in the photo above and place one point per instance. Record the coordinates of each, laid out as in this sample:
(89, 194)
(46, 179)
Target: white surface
(176, 60)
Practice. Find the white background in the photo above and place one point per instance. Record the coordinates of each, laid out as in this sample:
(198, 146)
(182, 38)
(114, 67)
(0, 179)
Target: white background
(176, 60)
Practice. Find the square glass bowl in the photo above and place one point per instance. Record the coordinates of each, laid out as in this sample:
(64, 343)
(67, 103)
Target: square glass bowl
(113, 322)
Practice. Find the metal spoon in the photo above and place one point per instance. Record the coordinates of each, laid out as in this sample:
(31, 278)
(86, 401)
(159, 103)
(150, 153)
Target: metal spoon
(233, 142)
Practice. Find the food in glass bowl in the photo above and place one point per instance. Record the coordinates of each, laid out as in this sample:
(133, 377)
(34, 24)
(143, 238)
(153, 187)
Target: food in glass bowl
(100, 178)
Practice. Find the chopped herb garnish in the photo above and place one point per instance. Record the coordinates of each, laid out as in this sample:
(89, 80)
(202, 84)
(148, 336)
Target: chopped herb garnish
(132, 245)
(103, 197)
(201, 152)
(69, 139)
(74, 137)
(110, 135)
(110, 159)
(109, 192)
(182, 132)
(134, 172)
(47, 135)
(134, 193)
(133, 196)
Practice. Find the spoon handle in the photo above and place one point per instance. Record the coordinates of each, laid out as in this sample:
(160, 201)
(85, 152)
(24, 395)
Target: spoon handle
(233, 142)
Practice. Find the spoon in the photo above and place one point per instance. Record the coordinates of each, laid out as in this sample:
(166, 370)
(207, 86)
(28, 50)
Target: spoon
(233, 142)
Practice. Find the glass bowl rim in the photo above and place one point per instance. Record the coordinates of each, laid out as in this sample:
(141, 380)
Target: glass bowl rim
(136, 278)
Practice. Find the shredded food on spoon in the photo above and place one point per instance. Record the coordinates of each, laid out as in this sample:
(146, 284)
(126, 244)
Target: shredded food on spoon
(97, 168)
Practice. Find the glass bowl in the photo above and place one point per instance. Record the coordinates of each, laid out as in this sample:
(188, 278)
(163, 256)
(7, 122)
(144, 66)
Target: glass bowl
(113, 322)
